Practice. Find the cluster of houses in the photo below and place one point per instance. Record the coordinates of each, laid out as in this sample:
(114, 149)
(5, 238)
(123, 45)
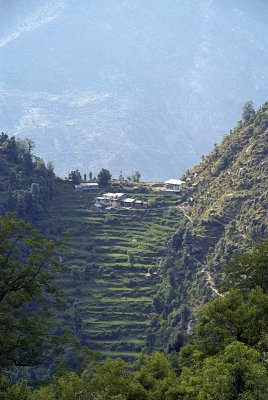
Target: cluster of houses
(113, 200)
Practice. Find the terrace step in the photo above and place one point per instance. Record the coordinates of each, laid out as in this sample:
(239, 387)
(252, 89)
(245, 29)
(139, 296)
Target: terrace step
(112, 298)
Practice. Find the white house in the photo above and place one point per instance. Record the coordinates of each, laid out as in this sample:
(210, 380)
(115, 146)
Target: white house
(109, 199)
(87, 186)
(173, 185)
(114, 196)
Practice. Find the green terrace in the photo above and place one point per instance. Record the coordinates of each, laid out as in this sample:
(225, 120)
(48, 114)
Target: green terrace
(113, 258)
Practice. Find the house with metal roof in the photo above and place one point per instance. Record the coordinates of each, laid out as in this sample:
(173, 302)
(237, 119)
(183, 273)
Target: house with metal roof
(114, 196)
(128, 202)
(87, 186)
(109, 199)
(173, 185)
(112, 200)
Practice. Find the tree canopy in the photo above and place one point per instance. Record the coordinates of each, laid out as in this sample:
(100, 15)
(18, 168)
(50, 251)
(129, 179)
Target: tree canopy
(103, 177)
(28, 181)
(136, 176)
(250, 269)
(28, 294)
(248, 111)
(227, 359)
(75, 177)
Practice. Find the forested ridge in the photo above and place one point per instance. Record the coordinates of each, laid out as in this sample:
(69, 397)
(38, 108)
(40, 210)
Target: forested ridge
(25, 180)
(193, 270)
(227, 211)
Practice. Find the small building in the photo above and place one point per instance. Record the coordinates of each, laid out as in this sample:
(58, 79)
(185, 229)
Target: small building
(87, 186)
(139, 203)
(114, 196)
(102, 201)
(109, 199)
(128, 202)
(173, 185)
(113, 199)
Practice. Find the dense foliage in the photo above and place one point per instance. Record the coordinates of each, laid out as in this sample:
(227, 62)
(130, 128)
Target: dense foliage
(103, 177)
(28, 295)
(227, 359)
(75, 177)
(26, 182)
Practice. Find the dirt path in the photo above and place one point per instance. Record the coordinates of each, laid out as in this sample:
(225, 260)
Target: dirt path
(208, 276)
(186, 215)
(204, 271)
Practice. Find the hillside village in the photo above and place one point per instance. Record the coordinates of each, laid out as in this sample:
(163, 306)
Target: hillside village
(138, 273)
(109, 200)
(113, 200)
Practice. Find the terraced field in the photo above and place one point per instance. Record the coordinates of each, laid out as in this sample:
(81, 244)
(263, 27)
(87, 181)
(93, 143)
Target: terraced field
(114, 266)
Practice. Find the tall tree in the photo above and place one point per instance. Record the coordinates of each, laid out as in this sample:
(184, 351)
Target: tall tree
(248, 270)
(104, 176)
(75, 177)
(28, 294)
(136, 176)
(248, 111)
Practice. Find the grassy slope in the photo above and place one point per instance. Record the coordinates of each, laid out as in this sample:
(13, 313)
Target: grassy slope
(110, 302)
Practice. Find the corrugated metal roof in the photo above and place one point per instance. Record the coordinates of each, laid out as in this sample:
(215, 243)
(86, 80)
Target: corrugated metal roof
(113, 195)
(85, 184)
(174, 182)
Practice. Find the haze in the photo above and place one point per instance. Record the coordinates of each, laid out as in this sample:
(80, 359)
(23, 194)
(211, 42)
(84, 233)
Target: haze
(129, 84)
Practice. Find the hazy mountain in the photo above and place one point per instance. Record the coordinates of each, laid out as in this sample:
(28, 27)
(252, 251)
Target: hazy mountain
(129, 84)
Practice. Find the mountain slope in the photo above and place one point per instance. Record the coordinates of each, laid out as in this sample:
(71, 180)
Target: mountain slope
(113, 303)
(113, 261)
(113, 257)
(227, 210)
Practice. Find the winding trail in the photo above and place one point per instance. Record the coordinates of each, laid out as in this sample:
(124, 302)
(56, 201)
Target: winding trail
(203, 270)
(186, 215)
(208, 275)
(189, 327)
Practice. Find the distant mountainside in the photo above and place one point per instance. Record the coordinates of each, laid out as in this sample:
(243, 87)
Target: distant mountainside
(129, 85)
(227, 211)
